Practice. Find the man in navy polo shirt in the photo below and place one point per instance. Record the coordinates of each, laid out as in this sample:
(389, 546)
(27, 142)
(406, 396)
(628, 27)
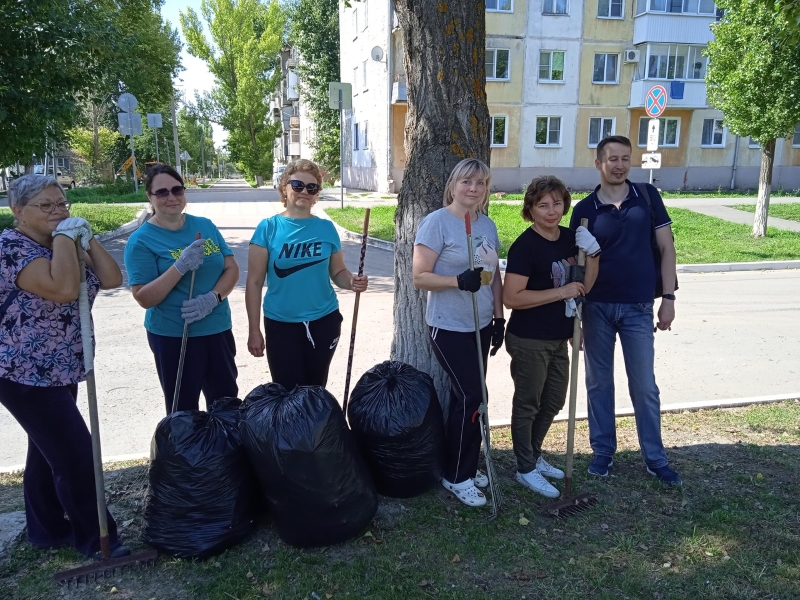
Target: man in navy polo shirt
(621, 303)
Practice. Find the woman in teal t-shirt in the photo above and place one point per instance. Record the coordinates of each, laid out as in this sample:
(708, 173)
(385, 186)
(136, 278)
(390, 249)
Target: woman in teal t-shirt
(159, 258)
(299, 255)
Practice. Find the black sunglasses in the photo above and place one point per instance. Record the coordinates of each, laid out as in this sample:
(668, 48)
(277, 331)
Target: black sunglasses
(299, 186)
(176, 191)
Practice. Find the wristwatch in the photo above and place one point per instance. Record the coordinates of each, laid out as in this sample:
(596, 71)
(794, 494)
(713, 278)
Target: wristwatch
(219, 297)
(668, 296)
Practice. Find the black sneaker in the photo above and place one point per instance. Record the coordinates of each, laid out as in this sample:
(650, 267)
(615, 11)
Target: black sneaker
(665, 475)
(599, 465)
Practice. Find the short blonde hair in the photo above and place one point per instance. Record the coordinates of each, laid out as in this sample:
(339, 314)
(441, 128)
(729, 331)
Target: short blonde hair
(464, 170)
(301, 165)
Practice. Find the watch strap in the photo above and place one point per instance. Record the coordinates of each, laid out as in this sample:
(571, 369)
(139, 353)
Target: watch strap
(668, 296)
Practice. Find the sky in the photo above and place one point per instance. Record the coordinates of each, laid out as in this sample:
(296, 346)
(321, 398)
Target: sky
(195, 76)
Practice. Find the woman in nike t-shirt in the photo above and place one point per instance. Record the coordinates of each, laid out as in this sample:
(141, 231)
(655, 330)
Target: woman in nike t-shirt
(299, 255)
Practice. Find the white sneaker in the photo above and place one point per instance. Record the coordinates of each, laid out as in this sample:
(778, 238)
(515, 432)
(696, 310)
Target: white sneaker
(480, 479)
(548, 470)
(466, 492)
(538, 484)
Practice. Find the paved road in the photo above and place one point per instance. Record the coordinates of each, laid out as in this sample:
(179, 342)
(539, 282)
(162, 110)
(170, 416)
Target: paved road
(736, 335)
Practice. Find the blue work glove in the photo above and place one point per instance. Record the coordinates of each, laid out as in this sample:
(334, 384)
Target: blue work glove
(191, 258)
(73, 227)
(198, 308)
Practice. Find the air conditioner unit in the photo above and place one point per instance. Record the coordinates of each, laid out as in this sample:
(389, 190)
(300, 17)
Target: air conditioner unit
(631, 56)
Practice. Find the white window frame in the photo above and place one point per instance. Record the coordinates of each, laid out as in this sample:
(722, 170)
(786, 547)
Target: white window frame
(60, 162)
(648, 6)
(692, 53)
(560, 131)
(554, 4)
(365, 130)
(550, 66)
(355, 136)
(606, 54)
(661, 133)
(365, 18)
(796, 137)
(294, 133)
(751, 143)
(355, 22)
(492, 143)
(364, 86)
(494, 63)
(355, 81)
(609, 16)
(713, 129)
(501, 10)
(602, 120)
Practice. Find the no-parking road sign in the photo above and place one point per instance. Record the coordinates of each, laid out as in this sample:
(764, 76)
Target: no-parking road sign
(655, 103)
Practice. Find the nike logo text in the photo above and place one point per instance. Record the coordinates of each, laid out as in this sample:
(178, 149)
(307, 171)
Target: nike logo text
(333, 343)
(286, 272)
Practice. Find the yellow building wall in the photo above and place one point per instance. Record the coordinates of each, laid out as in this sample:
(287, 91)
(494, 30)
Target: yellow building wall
(508, 156)
(584, 156)
(507, 23)
(507, 91)
(670, 157)
(611, 30)
(604, 94)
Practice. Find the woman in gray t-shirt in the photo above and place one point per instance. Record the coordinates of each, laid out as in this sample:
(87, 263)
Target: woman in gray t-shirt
(441, 267)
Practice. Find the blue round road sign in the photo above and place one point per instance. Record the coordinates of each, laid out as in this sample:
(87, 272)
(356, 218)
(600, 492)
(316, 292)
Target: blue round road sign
(655, 102)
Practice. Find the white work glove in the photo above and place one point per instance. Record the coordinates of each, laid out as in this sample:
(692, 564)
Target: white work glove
(198, 308)
(191, 258)
(586, 241)
(571, 309)
(73, 227)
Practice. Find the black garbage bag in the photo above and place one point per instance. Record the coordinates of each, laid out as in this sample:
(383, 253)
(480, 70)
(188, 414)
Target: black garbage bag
(395, 416)
(318, 489)
(203, 493)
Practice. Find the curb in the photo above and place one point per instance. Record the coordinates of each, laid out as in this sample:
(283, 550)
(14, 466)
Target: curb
(124, 229)
(680, 407)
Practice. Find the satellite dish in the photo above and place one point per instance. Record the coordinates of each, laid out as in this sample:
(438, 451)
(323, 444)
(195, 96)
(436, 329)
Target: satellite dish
(127, 102)
(377, 53)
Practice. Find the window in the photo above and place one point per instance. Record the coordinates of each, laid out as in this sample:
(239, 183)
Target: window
(713, 133)
(355, 23)
(366, 139)
(609, 9)
(355, 80)
(355, 136)
(499, 132)
(676, 62)
(687, 7)
(499, 6)
(599, 128)
(751, 143)
(667, 134)
(365, 18)
(294, 136)
(554, 7)
(551, 66)
(364, 76)
(60, 162)
(497, 63)
(605, 68)
(548, 131)
(796, 138)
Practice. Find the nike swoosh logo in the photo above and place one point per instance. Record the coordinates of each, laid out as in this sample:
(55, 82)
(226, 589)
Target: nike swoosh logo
(291, 270)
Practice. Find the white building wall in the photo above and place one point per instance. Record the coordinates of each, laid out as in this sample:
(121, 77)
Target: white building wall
(533, 155)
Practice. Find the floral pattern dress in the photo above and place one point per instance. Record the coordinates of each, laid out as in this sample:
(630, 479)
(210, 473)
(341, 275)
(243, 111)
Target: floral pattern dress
(40, 340)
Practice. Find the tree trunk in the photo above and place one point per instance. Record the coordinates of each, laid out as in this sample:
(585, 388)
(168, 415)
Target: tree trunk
(764, 189)
(447, 120)
(96, 135)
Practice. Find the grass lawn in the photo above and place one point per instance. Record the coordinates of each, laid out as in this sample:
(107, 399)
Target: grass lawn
(116, 193)
(782, 211)
(102, 217)
(718, 193)
(698, 238)
(730, 533)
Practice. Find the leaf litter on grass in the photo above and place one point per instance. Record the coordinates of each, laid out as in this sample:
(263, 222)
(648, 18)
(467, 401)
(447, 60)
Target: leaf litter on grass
(717, 541)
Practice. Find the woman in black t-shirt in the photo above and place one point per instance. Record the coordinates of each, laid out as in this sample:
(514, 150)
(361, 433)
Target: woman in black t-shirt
(536, 288)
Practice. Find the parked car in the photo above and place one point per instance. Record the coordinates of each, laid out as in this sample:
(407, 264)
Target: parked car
(66, 179)
(276, 176)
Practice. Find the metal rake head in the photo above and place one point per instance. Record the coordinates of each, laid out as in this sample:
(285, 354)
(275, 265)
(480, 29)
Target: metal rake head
(571, 506)
(94, 572)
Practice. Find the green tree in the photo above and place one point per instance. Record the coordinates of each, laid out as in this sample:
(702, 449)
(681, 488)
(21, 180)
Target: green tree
(753, 78)
(314, 31)
(82, 142)
(245, 38)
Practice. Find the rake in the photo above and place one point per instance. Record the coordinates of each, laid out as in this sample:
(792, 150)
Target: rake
(107, 565)
(570, 505)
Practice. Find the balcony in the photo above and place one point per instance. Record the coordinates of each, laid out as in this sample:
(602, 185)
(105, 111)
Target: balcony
(694, 93)
(294, 148)
(399, 92)
(671, 28)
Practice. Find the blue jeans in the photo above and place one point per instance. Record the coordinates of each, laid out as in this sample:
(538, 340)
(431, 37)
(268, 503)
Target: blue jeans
(602, 322)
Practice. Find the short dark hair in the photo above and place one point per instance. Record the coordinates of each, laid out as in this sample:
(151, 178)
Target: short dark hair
(612, 139)
(159, 169)
(539, 188)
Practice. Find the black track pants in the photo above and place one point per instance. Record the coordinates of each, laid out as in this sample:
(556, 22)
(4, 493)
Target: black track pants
(457, 352)
(301, 353)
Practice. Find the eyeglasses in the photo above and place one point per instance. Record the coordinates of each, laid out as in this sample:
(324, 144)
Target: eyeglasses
(299, 186)
(176, 191)
(50, 207)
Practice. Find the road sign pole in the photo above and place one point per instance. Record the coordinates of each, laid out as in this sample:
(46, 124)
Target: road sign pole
(133, 155)
(155, 135)
(175, 137)
(341, 148)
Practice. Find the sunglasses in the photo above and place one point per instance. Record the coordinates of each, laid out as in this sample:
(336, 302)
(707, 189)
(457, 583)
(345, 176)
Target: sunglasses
(299, 186)
(176, 191)
(50, 207)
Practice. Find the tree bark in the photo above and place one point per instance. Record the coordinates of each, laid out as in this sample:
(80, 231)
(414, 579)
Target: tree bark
(764, 189)
(447, 121)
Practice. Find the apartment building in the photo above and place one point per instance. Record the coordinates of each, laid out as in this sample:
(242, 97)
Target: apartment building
(560, 76)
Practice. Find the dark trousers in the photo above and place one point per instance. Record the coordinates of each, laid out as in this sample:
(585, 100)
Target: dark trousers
(210, 367)
(457, 352)
(301, 353)
(59, 475)
(540, 370)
